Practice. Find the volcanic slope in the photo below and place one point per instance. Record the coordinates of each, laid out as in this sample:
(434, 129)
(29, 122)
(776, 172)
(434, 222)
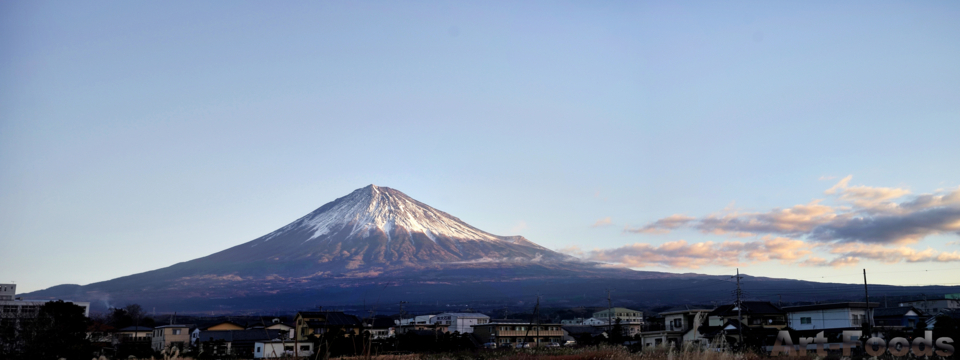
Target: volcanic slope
(377, 243)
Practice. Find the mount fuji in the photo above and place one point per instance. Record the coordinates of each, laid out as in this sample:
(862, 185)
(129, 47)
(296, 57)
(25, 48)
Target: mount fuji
(377, 244)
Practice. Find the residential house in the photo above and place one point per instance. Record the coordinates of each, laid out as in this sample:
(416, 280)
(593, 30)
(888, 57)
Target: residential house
(893, 318)
(286, 328)
(679, 326)
(461, 322)
(235, 342)
(273, 349)
(756, 320)
(311, 324)
(842, 316)
(101, 335)
(379, 327)
(933, 304)
(585, 334)
(513, 332)
(135, 334)
(171, 336)
(216, 326)
(435, 328)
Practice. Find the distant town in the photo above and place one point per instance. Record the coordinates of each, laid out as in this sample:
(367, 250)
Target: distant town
(742, 325)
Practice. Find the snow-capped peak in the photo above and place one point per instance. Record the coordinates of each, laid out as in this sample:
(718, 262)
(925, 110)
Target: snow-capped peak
(386, 209)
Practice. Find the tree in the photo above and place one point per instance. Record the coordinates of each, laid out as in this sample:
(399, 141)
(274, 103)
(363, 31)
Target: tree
(58, 331)
(135, 312)
(616, 334)
(948, 326)
(119, 318)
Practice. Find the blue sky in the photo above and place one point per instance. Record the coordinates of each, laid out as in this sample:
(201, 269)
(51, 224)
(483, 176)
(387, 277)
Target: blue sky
(137, 135)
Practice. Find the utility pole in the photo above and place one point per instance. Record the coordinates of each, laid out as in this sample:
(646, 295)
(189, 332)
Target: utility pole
(866, 301)
(536, 312)
(401, 324)
(370, 334)
(739, 312)
(609, 312)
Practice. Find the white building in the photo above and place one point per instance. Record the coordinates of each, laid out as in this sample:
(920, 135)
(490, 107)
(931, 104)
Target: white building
(418, 320)
(679, 326)
(13, 307)
(588, 321)
(847, 315)
(276, 349)
(626, 316)
(933, 305)
(462, 322)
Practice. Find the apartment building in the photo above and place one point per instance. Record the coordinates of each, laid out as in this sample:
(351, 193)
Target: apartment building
(513, 332)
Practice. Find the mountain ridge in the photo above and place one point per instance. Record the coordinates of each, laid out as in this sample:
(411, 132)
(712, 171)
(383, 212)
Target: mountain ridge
(378, 239)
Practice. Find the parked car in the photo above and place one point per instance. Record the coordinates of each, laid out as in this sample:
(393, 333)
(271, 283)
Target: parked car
(523, 345)
(570, 343)
(551, 345)
(506, 346)
(490, 345)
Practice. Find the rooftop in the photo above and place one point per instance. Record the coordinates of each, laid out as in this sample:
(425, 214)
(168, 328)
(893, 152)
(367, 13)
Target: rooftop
(136, 328)
(841, 305)
(748, 308)
(895, 311)
(475, 315)
(174, 326)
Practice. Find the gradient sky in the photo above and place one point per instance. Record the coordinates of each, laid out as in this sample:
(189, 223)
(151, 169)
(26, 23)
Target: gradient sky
(135, 135)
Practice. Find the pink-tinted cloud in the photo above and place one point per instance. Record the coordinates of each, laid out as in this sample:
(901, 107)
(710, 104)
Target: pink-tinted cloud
(680, 254)
(864, 215)
(602, 222)
(891, 255)
(838, 262)
(662, 226)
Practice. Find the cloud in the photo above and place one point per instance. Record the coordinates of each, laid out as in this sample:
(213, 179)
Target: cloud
(908, 227)
(680, 254)
(571, 250)
(602, 222)
(520, 226)
(798, 219)
(662, 226)
(864, 214)
(840, 185)
(838, 262)
(892, 255)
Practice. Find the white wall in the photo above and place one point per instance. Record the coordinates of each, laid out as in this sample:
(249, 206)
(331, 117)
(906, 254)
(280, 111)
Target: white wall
(461, 322)
(275, 350)
(825, 319)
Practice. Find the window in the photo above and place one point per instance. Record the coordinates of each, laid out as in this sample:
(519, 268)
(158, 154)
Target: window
(258, 349)
(176, 331)
(805, 320)
(304, 347)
